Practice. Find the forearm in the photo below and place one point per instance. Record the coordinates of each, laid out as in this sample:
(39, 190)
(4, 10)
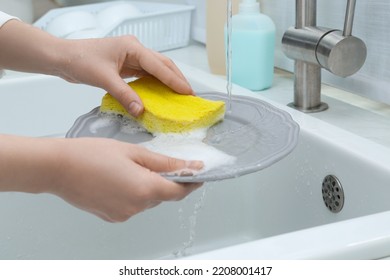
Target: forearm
(29, 49)
(27, 164)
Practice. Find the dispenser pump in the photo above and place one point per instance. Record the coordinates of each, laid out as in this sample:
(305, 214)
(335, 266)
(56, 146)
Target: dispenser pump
(249, 7)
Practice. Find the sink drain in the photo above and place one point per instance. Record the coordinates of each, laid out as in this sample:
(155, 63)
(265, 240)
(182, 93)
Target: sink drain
(333, 193)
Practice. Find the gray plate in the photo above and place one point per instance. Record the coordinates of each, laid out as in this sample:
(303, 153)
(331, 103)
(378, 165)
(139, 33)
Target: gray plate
(255, 132)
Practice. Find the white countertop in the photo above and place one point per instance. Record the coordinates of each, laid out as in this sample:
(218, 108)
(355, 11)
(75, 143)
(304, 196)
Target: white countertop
(356, 114)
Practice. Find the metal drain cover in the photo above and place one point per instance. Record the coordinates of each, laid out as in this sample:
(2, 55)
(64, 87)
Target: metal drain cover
(332, 193)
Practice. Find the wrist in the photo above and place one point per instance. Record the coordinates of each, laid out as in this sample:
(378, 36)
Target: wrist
(28, 164)
(27, 48)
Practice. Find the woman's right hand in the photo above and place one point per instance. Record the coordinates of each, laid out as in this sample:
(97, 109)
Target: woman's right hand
(111, 179)
(116, 180)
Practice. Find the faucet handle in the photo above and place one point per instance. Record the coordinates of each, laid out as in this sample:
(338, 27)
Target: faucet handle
(349, 15)
(342, 56)
(341, 53)
(337, 51)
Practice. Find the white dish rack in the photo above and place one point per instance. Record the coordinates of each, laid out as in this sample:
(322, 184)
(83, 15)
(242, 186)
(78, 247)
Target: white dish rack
(160, 26)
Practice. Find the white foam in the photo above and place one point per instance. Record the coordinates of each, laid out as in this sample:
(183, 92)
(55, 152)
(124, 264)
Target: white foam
(100, 123)
(186, 145)
(189, 146)
(131, 126)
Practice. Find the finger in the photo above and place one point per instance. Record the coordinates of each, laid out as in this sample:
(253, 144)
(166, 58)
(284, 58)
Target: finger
(126, 96)
(169, 63)
(153, 204)
(178, 191)
(161, 163)
(130, 73)
(172, 191)
(159, 68)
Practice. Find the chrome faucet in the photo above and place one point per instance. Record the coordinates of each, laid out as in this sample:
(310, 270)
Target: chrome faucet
(314, 48)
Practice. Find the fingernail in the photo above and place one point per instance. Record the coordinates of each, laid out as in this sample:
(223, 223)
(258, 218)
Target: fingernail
(195, 164)
(191, 91)
(135, 108)
(186, 173)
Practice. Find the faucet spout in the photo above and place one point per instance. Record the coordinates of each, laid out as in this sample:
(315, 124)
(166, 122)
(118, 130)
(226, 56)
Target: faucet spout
(349, 16)
(314, 48)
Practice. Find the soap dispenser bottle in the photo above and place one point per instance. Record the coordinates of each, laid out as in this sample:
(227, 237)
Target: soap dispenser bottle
(253, 47)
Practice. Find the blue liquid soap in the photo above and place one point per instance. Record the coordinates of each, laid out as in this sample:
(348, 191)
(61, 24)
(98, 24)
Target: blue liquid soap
(253, 47)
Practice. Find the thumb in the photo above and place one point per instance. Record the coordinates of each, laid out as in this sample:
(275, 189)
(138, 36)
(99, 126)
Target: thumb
(161, 163)
(126, 96)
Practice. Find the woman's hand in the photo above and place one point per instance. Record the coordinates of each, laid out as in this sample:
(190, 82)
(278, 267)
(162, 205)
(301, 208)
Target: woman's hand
(98, 62)
(105, 62)
(116, 180)
(111, 179)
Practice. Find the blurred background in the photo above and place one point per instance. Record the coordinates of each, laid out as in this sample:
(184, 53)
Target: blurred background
(30, 10)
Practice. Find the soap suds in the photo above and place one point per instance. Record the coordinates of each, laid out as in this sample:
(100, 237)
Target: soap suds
(189, 146)
(101, 123)
(130, 126)
(185, 145)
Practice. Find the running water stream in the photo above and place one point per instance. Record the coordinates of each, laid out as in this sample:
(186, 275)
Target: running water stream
(199, 205)
(229, 54)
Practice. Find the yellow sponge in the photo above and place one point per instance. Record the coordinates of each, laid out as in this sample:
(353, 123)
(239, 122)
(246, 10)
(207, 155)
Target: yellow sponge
(167, 111)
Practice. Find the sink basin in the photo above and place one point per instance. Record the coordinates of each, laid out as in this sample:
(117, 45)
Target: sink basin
(277, 213)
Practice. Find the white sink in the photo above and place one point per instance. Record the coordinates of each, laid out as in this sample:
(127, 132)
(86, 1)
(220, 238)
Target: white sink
(275, 213)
